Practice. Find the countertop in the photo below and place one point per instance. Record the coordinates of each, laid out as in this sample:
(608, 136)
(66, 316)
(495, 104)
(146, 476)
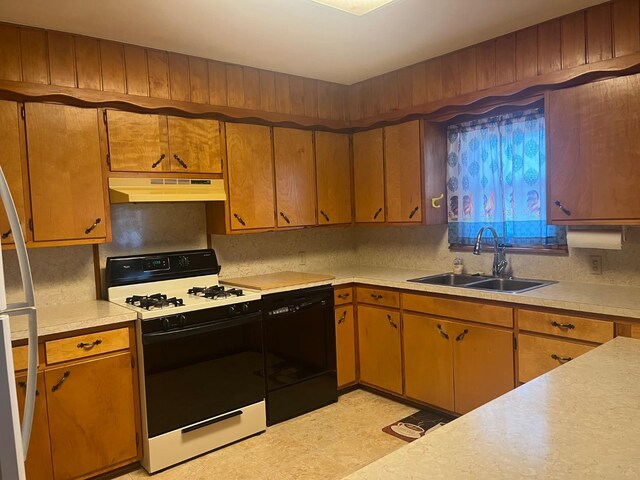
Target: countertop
(70, 317)
(581, 420)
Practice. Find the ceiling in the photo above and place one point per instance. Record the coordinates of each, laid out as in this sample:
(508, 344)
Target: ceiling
(299, 37)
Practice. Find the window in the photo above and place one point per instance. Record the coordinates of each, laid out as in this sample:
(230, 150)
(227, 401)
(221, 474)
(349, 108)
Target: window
(496, 176)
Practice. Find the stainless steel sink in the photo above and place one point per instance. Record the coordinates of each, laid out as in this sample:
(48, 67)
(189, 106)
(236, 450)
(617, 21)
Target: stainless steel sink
(449, 279)
(507, 285)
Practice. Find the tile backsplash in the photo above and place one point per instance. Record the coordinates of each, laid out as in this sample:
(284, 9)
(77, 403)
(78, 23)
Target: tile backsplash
(66, 274)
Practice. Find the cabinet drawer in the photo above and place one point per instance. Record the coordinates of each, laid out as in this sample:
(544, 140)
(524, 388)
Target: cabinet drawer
(20, 357)
(86, 345)
(374, 296)
(472, 311)
(566, 326)
(342, 295)
(538, 355)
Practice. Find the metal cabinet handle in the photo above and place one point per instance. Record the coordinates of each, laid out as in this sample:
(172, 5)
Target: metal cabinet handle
(442, 332)
(159, 161)
(95, 224)
(391, 321)
(6, 234)
(462, 335)
(343, 317)
(326, 217)
(23, 385)
(342, 296)
(436, 199)
(180, 161)
(560, 359)
(89, 345)
(239, 218)
(562, 208)
(413, 212)
(286, 219)
(375, 215)
(375, 296)
(563, 326)
(65, 375)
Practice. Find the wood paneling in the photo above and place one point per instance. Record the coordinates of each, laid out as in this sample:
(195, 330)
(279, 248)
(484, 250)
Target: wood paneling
(296, 90)
(419, 83)
(235, 86)
(310, 93)
(88, 63)
(549, 47)
(199, 80)
(267, 91)
(196, 142)
(434, 79)
(566, 326)
(626, 23)
(324, 99)
(113, 70)
(180, 87)
(435, 174)
(35, 61)
(599, 35)
(526, 53)
(467, 62)
(368, 176)
(539, 355)
(378, 296)
(345, 346)
(486, 65)
(217, 83)
(573, 40)
(390, 92)
(450, 76)
(506, 59)
(158, 68)
(333, 177)
(135, 60)
(405, 88)
(251, 82)
(62, 67)
(10, 68)
(283, 96)
(82, 346)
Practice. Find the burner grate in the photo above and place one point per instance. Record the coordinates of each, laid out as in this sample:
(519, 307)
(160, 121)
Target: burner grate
(215, 292)
(155, 301)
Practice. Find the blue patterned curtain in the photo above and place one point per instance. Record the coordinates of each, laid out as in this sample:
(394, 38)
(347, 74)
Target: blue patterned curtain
(496, 176)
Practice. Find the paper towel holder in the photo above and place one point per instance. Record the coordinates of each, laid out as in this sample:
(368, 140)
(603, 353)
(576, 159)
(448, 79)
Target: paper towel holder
(622, 229)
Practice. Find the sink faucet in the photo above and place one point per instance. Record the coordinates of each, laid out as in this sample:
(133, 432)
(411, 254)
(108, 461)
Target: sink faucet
(499, 258)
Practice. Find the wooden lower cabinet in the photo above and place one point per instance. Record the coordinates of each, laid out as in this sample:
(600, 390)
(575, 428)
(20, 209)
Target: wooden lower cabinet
(538, 355)
(91, 416)
(38, 464)
(345, 346)
(380, 348)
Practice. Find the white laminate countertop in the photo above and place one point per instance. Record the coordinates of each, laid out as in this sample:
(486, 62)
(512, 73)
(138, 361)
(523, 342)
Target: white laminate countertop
(579, 421)
(70, 317)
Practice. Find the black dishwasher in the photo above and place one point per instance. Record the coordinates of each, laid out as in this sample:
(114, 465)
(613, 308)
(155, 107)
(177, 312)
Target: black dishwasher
(300, 352)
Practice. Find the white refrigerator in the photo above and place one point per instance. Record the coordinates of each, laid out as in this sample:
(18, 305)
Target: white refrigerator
(14, 441)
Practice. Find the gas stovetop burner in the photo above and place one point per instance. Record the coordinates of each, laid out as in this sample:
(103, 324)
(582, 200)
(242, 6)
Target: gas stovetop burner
(215, 292)
(152, 302)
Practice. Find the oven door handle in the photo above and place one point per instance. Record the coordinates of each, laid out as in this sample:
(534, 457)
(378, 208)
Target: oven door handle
(157, 337)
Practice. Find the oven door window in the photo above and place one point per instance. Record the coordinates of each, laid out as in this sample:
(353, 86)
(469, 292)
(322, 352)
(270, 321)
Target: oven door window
(196, 374)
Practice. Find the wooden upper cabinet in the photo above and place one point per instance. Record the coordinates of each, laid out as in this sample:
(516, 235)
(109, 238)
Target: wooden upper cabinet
(138, 142)
(250, 176)
(368, 176)
(295, 177)
(11, 163)
(333, 176)
(402, 166)
(67, 196)
(194, 145)
(593, 160)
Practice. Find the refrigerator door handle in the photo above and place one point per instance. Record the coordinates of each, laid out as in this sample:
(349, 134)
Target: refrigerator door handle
(29, 306)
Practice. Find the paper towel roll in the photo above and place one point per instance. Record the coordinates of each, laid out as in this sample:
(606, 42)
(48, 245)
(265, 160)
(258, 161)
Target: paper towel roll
(604, 239)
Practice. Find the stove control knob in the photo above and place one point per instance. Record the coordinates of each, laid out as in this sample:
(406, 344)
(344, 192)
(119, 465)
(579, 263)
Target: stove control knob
(183, 261)
(245, 307)
(233, 309)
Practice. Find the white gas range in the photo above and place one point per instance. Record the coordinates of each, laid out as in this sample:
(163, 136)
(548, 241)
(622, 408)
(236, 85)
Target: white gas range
(200, 346)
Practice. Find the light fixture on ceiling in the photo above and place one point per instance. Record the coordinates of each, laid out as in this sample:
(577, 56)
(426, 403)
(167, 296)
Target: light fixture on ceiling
(355, 7)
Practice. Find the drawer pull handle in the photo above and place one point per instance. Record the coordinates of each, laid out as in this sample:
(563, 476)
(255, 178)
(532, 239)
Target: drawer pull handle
(562, 208)
(180, 161)
(378, 212)
(560, 359)
(375, 296)
(442, 332)
(563, 326)
(286, 219)
(6, 234)
(239, 218)
(413, 212)
(326, 217)
(342, 296)
(391, 321)
(159, 161)
(23, 385)
(89, 345)
(462, 335)
(343, 317)
(65, 375)
(434, 201)
(95, 224)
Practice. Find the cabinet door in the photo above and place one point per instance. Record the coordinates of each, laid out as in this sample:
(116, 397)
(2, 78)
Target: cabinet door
(11, 163)
(295, 177)
(67, 196)
(194, 145)
(379, 348)
(38, 464)
(368, 176)
(345, 345)
(482, 365)
(428, 360)
(91, 416)
(137, 142)
(250, 173)
(403, 172)
(539, 355)
(333, 172)
(593, 165)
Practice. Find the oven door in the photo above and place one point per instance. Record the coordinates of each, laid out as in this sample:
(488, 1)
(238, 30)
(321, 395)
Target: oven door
(195, 373)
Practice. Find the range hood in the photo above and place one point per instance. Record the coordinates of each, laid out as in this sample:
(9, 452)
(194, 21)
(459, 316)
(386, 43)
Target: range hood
(139, 189)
